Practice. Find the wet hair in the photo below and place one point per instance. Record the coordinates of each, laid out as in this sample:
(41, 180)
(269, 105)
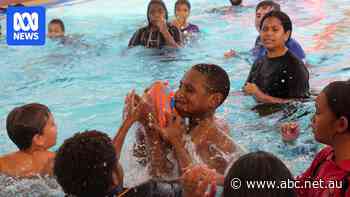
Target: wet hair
(338, 94)
(183, 2)
(258, 166)
(218, 80)
(84, 164)
(236, 2)
(282, 17)
(58, 22)
(268, 3)
(161, 3)
(24, 122)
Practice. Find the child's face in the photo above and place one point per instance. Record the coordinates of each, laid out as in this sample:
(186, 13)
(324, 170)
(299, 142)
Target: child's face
(49, 133)
(259, 15)
(55, 31)
(182, 11)
(324, 120)
(156, 13)
(272, 34)
(192, 97)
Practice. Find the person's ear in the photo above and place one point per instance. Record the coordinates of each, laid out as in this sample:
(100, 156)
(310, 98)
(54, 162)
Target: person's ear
(342, 125)
(286, 36)
(215, 100)
(38, 140)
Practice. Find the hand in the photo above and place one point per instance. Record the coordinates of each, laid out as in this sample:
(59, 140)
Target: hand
(230, 53)
(174, 130)
(196, 180)
(251, 89)
(176, 23)
(135, 107)
(290, 131)
(161, 25)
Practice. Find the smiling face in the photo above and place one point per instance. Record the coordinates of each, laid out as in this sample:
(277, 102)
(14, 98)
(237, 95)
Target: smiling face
(272, 34)
(182, 11)
(192, 97)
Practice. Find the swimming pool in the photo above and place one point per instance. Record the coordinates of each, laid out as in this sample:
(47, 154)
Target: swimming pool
(84, 84)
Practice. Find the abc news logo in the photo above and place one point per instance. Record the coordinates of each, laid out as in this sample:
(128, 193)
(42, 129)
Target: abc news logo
(26, 26)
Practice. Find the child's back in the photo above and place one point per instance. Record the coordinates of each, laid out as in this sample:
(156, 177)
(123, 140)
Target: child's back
(39, 162)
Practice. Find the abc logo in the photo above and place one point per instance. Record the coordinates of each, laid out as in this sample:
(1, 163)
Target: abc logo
(33, 21)
(26, 26)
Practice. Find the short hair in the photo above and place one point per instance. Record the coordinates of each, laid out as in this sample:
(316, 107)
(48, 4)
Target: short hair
(181, 2)
(268, 3)
(84, 164)
(236, 2)
(283, 17)
(258, 166)
(58, 22)
(218, 80)
(338, 94)
(26, 121)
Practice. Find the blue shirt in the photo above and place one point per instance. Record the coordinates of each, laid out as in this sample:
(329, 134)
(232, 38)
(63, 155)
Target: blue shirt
(259, 50)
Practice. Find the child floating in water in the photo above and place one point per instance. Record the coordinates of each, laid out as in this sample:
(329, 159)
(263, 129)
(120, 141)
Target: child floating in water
(32, 128)
(182, 12)
(56, 29)
(279, 76)
(158, 33)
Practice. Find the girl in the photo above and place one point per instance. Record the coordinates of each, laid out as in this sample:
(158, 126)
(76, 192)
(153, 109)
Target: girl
(182, 12)
(158, 33)
(279, 76)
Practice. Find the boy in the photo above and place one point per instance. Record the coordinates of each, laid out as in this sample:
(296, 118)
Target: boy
(32, 128)
(202, 90)
(259, 50)
(56, 29)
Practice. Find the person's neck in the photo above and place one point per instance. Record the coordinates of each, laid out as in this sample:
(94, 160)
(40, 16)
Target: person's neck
(277, 52)
(341, 147)
(200, 119)
(32, 150)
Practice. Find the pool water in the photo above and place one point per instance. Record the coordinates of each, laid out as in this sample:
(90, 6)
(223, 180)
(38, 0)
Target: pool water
(84, 83)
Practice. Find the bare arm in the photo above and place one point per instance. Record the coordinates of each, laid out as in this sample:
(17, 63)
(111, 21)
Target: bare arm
(253, 89)
(118, 140)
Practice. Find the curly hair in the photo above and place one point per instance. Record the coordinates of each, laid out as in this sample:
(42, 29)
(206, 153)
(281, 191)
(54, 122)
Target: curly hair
(84, 164)
(218, 80)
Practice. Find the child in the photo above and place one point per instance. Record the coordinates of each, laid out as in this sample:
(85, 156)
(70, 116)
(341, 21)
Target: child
(182, 12)
(259, 50)
(330, 126)
(56, 29)
(32, 128)
(255, 167)
(279, 76)
(236, 2)
(202, 90)
(158, 33)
